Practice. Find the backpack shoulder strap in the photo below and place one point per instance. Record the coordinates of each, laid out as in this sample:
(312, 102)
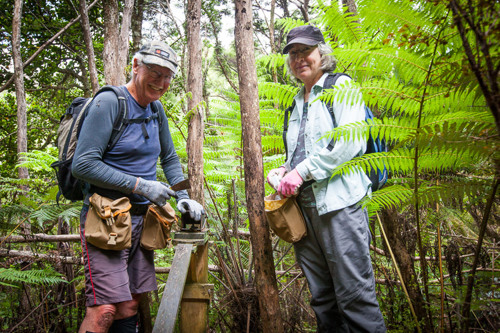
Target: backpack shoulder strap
(156, 108)
(119, 123)
(329, 83)
(285, 127)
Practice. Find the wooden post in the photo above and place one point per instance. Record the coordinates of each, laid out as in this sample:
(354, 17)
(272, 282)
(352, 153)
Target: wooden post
(196, 296)
(167, 312)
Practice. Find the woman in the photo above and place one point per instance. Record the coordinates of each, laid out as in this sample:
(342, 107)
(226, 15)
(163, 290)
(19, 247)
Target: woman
(334, 255)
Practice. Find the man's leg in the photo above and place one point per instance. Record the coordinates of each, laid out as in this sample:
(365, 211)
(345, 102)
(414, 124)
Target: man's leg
(126, 316)
(98, 318)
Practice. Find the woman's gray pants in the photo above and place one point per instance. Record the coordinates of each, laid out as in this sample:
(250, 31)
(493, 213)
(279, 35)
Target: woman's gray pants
(335, 259)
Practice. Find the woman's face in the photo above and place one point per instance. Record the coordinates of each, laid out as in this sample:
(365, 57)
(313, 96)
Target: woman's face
(305, 62)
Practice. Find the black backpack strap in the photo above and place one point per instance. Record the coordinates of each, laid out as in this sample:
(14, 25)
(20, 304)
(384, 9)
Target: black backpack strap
(155, 108)
(330, 81)
(285, 127)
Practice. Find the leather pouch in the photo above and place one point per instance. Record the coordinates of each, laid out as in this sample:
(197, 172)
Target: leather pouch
(285, 218)
(109, 224)
(157, 225)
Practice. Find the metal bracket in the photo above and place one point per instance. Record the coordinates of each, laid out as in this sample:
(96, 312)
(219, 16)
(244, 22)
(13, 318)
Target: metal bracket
(190, 237)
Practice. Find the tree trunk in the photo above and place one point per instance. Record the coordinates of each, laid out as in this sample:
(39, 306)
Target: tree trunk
(136, 24)
(404, 260)
(195, 85)
(351, 6)
(22, 129)
(111, 38)
(87, 37)
(253, 165)
(123, 46)
(115, 52)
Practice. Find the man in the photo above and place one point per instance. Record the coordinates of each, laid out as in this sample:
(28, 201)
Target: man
(115, 280)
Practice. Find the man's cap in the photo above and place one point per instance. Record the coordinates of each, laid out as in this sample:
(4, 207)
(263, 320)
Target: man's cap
(159, 53)
(305, 34)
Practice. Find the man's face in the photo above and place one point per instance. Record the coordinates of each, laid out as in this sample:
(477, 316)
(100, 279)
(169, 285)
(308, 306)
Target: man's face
(151, 82)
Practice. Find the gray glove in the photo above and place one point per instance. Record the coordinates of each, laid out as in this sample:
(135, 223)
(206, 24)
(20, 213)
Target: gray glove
(156, 192)
(194, 208)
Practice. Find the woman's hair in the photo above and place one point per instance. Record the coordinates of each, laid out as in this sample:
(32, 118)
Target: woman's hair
(328, 60)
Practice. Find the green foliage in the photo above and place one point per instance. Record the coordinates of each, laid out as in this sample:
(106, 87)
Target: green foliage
(12, 277)
(404, 59)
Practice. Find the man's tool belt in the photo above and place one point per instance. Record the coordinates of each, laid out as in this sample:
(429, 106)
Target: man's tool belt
(285, 218)
(109, 224)
(157, 225)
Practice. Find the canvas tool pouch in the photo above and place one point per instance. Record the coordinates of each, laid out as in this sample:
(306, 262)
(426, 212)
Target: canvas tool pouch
(285, 218)
(109, 224)
(157, 225)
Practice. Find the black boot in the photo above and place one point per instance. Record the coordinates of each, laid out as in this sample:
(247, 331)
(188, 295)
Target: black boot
(125, 325)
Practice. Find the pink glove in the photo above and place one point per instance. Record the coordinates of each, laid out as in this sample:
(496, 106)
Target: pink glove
(290, 184)
(274, 177)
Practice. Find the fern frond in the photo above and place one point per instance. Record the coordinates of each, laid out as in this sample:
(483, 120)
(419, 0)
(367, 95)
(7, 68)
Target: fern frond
(273, 61)
(384, 61)
(38, 160)
(278, 93)
(288, 23)
(46, 276)
(346, 24)
(388, 197)
(399, 161)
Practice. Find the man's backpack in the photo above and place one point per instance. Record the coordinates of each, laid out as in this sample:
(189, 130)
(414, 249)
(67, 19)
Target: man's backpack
(67, 138)
(374, 145)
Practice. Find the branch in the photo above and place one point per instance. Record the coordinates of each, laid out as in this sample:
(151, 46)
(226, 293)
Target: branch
(47, 43)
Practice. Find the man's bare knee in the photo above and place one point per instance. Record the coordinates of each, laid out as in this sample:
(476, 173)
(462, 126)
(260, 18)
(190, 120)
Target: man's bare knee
(127, 308)
(98, 318)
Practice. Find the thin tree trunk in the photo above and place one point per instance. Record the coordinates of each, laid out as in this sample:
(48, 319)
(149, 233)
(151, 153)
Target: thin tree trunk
(480, 238)
(115, 51)
(272, 40)
(253, 164)
(111, 37)
(87, 37)
(404, 260)
(136, 24)
(195, 85)
(351, 6)
(123, 40)
(22, 130)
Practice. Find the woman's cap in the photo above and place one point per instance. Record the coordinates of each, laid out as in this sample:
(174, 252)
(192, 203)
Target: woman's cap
(305, 34)
(159, 53)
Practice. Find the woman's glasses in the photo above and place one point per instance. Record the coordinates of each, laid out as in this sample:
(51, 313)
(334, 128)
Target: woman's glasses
(301, 53)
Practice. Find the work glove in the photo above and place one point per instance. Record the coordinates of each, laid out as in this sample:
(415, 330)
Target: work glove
(290, 184)
(274, 177)
(156, 192)
(192, 207)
